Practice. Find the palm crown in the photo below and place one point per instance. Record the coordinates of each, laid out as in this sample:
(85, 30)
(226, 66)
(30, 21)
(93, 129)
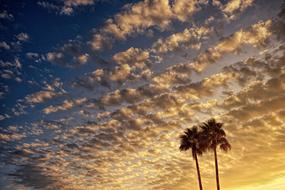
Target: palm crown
(191, 140)
(213, 135)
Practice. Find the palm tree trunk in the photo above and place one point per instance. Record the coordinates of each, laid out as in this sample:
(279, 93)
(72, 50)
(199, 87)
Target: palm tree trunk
(217, 169)
(198, 172)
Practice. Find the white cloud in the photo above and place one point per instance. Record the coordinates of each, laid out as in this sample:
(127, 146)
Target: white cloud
(48, 92)
(138, 17)
(5, 15)
(256, 35)
(65, 7)
(4, 45)
(22, 37)
(233, 6)
(66, 105)
(189, 37)
(133, 56)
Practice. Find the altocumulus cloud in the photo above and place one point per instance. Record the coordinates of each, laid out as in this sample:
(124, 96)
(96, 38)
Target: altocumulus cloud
(87, 137)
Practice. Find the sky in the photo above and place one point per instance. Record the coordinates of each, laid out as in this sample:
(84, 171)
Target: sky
(94, 94)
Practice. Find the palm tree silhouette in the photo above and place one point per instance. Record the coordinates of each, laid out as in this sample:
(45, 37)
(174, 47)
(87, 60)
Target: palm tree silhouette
(191, 140)
(213, 135)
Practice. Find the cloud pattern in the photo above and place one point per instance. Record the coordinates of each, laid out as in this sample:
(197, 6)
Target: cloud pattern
(117, 127)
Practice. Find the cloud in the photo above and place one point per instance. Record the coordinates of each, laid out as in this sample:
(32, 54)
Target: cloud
(152, 96)
(132, 61)
(253, 114)
(71, 54)
(120, 73)
(22, 37)
(40, 96)
(2, 117)
(65, 7)
(138, 17)
(51, 56)
(11, 69)
(11, 137)
(256, 35)
(4, 89)
(49, 6)
(5, 15)
(48, 92)
(144, 137)
(255, 100)
(192, 35)
(135, 139)
(83, 58)
(78, 2)
(131, 64)
(132, 56)
(232, 7)
(179, 74)
(32, 55)
(207, 87)
(189, 37)
(4, 45)
(66, 105)
(37, 57)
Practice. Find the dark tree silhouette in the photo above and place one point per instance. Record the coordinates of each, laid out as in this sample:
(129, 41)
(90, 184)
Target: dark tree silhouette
(214, 136)
(191, 140)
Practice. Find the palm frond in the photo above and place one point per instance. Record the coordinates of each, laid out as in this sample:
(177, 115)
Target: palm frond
(191, 139)
(214, 135)
(224, 144)
(184, 143)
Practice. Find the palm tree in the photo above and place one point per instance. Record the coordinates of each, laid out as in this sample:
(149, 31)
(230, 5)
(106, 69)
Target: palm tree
(190, 140)
(215, 136)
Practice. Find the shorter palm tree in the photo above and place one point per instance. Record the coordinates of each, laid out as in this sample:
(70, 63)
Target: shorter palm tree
(213, 135)
(191, 140)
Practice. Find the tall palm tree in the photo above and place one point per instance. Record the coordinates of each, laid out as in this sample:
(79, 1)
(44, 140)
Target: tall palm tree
(190, 140)
(214, 136)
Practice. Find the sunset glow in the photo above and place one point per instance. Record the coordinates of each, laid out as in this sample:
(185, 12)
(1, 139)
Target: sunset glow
(95, 94)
